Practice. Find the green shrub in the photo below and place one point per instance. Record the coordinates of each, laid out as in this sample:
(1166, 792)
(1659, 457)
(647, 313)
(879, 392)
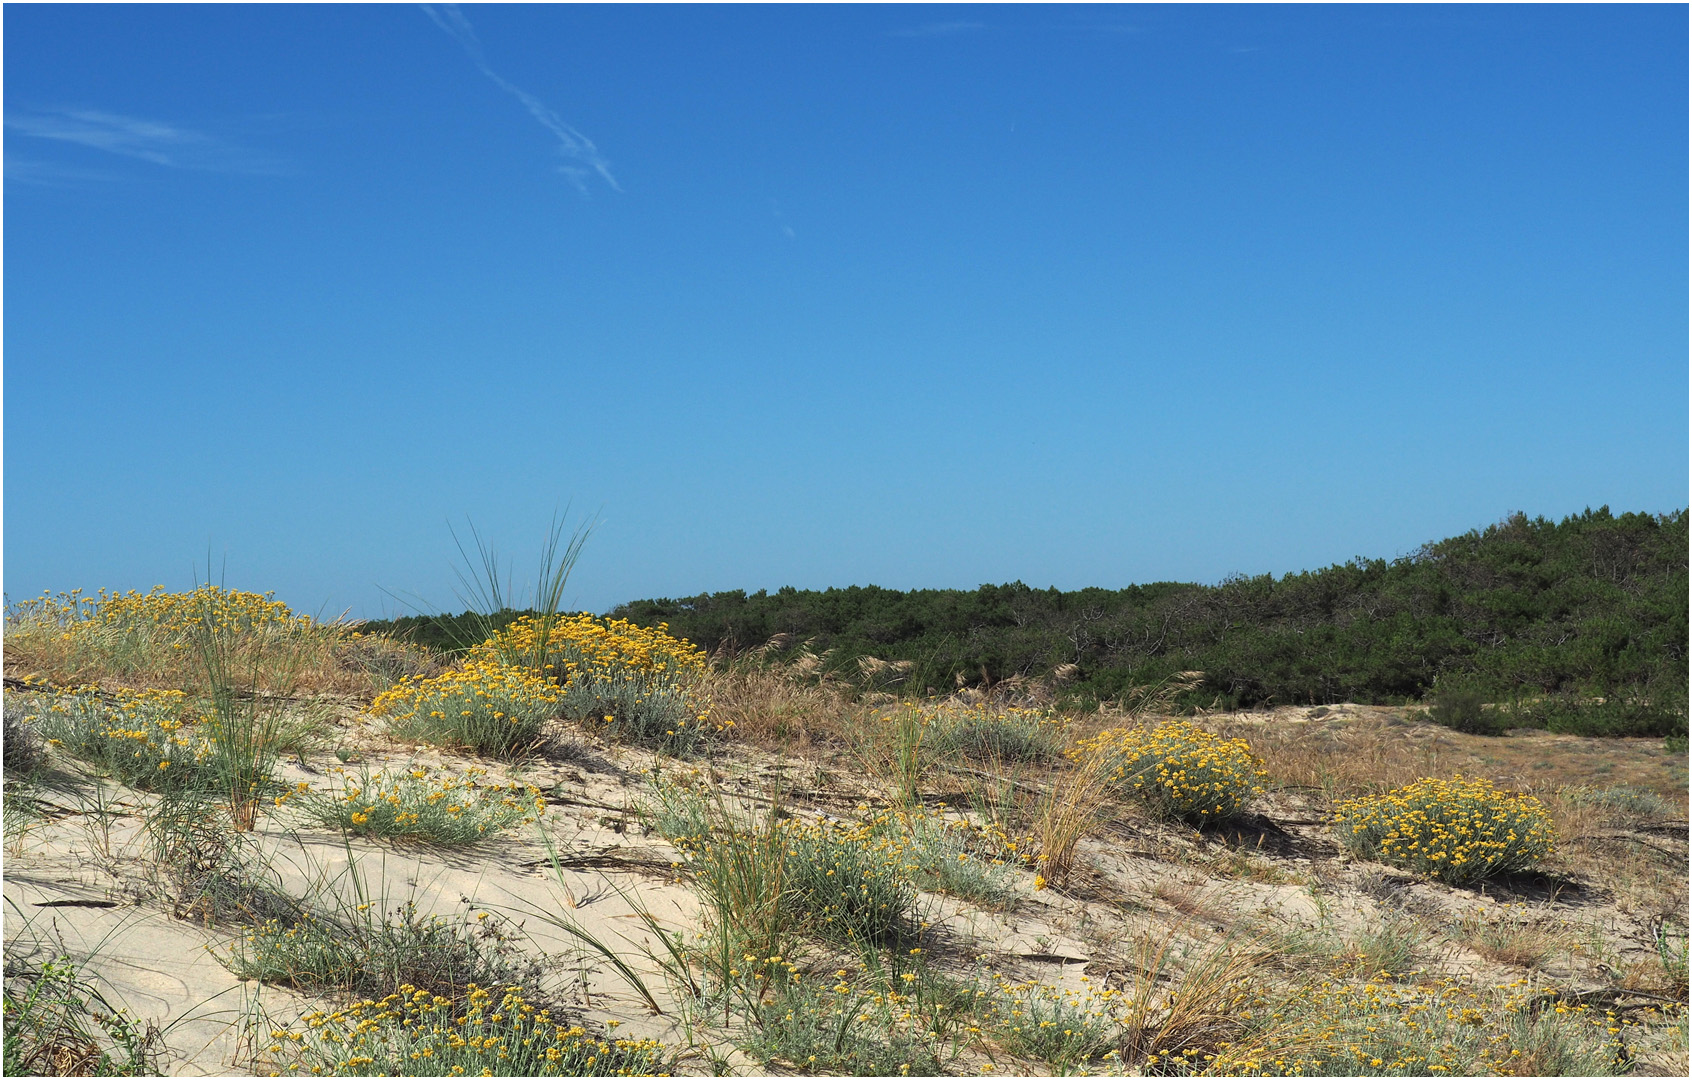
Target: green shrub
(1464, 710)
(151, 740)
(1616, 717)
(946, 857)
(875, 1024)
(1065, 1028)
(57, 1023)
(847, 883)
(442, 808)
(1456, 830)
(1178, 768)
(1382, 1028)
(988, 734)
(361, 950)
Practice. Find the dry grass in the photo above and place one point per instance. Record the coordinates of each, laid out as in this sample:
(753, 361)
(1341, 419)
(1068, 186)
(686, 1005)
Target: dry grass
(783, 708)
(1514, 942)
(1069, 812)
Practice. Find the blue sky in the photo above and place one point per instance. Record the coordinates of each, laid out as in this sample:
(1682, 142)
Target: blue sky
(912, 296)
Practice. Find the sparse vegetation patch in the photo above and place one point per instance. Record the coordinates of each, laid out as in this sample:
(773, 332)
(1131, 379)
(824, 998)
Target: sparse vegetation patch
(431, 806)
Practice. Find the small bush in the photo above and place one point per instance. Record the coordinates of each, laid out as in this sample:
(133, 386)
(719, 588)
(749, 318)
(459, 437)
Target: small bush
(438, 808)
(1179, 769)
(360, 950)
(947, 857)
(847, 883)
(880, 1023)
(1611, 717)
(482, 706)
(21, 746)
(1066, 1028)
(767, 878)
(413, 1032)
(1457, 830)
(988, 734)
(636, 681)
(149, 639)
(151, 740)
(1465, 711)
(58, 1024)
(1431, 1029)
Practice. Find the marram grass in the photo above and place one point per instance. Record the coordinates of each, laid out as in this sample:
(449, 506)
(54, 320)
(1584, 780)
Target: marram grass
(1458, 830)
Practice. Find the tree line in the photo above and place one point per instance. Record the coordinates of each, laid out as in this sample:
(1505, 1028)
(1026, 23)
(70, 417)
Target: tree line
(1579, 625)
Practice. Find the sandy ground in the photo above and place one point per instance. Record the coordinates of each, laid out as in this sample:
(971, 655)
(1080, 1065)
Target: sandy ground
(72, 884)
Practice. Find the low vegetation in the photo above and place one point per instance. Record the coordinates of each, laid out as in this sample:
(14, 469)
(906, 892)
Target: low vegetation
(1459, 831)
(1582, 622)
(778, 865)
(418, 804)
(1179, 770)
(484, 1032)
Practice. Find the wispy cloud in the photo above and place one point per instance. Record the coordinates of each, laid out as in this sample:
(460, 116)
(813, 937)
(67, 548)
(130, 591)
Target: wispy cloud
(571, 143)
(939, 29)
(52, 174)
(146, 140)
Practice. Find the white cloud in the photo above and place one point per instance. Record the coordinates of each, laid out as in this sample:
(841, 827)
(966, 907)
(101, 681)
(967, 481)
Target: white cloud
(571, 143)
(146, 140)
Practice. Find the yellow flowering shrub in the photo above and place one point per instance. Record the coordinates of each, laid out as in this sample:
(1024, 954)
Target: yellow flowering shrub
(1181, 770)
(157, 638)
(486, 1033)
(596, 648)
(482, 706)
(422, 804)
(1067, 1027)
(1458, 830)
(148, 739)
(633, 682)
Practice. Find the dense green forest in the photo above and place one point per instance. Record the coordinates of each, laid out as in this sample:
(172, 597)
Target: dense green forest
(1574, 625)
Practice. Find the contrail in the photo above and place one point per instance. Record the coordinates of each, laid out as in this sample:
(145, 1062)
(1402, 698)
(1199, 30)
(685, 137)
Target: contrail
(571, 143)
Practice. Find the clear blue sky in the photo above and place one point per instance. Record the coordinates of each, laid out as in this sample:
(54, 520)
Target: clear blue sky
(912, 296)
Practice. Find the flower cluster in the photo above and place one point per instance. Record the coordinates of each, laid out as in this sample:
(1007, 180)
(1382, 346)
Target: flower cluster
(586, 646)
(149, 739)
(1064, 1026)
(165, 639)
(174, 613)
(1436, 1029)
(1458, 830)
(636, 681)
(420, 804)
(1179, 768)
(488, 1033)
(482, 705)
